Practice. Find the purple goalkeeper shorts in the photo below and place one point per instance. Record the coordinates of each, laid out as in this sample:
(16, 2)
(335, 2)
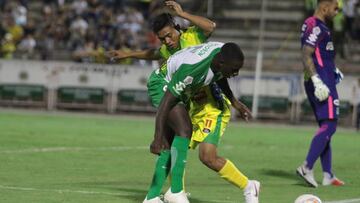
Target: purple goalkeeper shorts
(325, 110)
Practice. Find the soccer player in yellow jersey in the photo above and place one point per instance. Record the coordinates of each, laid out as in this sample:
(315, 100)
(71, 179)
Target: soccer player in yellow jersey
(209, 111)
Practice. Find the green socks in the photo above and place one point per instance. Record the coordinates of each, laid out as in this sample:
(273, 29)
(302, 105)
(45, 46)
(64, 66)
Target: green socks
(179, 150)
(161, 172)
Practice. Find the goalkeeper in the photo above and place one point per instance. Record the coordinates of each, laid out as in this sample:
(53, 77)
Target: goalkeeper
(321, 77)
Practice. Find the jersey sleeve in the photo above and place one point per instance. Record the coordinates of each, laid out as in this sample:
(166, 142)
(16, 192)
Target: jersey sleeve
(312, 35)
(183, 80)
(198, 33)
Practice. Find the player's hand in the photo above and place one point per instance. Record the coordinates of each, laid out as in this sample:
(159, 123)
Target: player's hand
(321, 90)
(174, 6)
(156, 146)
(117, 54)
(339, 76)
(244, 111)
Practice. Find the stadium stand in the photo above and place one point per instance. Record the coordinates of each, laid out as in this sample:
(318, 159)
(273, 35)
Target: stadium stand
(82, 31)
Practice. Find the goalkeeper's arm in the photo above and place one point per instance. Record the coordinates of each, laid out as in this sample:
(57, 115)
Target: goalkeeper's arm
(321, 90)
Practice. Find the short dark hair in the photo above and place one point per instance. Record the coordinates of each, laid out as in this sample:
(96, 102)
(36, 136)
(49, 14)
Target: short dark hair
(323, 1)
(161, 21)
(231, 52)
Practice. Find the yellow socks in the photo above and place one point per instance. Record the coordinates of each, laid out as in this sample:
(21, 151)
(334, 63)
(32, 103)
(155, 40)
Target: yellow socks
(231, 174)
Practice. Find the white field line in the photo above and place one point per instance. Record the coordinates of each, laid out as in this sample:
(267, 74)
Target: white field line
(71, 149)
(78, 149)
(61, 191)
(346, 201)
(83, 192)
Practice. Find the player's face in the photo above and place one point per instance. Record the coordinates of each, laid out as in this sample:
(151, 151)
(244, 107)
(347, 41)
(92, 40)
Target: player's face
(169, 36)
(231, 69)
(332, 9)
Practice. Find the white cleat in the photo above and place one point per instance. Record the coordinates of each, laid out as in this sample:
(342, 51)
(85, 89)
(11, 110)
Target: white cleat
(334, 181)
(153, 200)
(251, 191)
(307, 175)
(179, 197)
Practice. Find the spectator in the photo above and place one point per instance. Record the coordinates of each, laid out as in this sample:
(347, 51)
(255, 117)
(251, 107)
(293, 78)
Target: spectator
(19, 13)
(27, 46)
(79, 6)
(339, 31)
(310, 6)
(349, 12)
(15, 30)
(7, 47)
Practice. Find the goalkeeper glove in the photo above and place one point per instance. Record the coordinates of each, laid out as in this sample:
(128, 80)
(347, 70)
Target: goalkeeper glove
(321, 90)
(339, 76)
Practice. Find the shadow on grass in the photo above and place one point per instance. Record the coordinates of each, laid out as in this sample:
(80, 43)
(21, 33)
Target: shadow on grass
(139, 195)
(285, 175)
(280, 174)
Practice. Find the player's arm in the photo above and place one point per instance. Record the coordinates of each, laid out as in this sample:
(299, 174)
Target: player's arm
(205, 24)
(149, 54)
(244, 111)
(321, 90)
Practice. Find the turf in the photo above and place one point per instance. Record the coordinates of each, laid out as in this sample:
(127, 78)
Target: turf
(76, 158)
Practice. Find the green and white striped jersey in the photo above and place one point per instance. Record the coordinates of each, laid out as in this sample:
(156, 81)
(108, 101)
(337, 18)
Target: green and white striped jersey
(189, 69)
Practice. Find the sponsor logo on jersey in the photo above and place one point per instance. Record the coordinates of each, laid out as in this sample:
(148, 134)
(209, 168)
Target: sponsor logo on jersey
(330, 46)
(179, 87)
(188, 80)
(313, 36)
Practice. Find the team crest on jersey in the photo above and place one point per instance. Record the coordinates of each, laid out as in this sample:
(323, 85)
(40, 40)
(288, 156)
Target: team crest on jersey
(206, 130)
(330, 46)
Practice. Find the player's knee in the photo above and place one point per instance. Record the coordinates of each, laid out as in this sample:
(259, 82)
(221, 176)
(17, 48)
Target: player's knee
(331, 128)
(185, 132)
(208, 160)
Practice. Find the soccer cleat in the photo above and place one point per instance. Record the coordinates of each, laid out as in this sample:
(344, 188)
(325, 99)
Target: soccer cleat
(251, 191)
(153, 200)
(307, 175)
(179, 197)
(332, 181)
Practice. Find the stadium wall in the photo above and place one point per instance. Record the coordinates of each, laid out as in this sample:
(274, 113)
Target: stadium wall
(113, 88)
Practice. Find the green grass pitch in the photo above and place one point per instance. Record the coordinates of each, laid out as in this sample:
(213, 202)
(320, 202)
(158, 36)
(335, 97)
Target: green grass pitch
(77, 158)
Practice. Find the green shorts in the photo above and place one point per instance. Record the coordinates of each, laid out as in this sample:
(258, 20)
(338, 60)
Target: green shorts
(156, 87)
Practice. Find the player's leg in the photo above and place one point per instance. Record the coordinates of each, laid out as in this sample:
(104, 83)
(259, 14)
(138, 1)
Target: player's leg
(326, 161)
(179, 121)
(209, 125)
(305, 171)
(162, 168)
(156, 84)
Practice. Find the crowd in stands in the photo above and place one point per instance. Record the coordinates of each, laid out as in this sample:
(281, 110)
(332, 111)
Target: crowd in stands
(77, 29)
(82, 30)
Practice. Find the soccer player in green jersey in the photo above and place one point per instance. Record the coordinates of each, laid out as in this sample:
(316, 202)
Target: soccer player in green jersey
(188, 71)
(206, 116)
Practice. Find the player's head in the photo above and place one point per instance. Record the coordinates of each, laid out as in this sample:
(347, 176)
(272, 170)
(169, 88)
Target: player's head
(328, 8)
(230, 60)
(166, 30)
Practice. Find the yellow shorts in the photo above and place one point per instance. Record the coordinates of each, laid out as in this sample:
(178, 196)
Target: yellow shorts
(209, 122)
